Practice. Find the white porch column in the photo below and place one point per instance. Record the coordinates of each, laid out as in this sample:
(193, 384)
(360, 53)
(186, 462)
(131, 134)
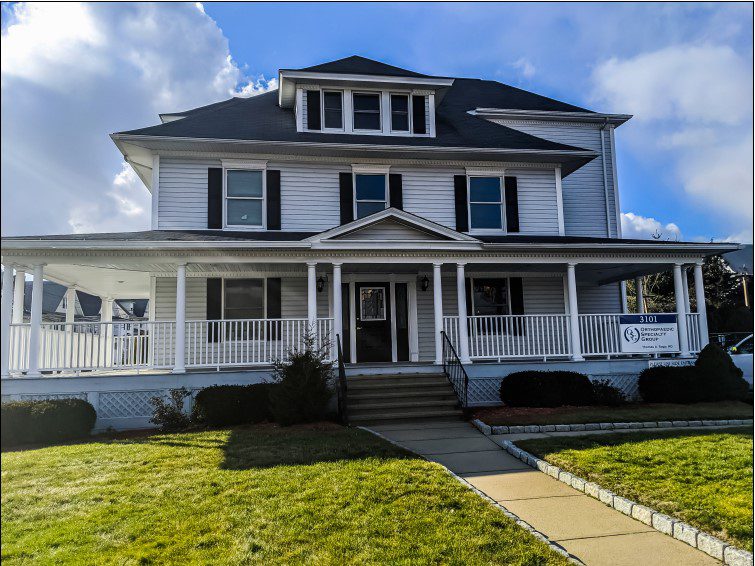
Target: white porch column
(571, 287)
(6, 306)
(438, 312)
(106, 310)
(461, 297)
(19, 286)
(35, 330)
(312, 296)
(337, 304)
(685, 288)
(700, 300)
(640, 294)
(179, 364)
(106, 330)
(681, 314)
(71, 305)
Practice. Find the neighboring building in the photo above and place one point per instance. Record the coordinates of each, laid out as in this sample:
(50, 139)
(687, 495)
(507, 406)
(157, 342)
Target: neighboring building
(384, 207)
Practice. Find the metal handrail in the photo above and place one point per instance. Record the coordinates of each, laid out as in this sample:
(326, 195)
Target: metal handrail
(455, 372)
(342, 410)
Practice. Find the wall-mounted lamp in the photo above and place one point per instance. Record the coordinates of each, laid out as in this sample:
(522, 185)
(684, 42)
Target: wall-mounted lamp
(424, 283)
(321, 283)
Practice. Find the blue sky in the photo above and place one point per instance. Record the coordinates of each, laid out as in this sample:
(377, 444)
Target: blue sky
(683, 69)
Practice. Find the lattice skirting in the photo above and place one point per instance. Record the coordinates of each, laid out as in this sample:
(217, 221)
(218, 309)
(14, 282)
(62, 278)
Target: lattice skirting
(484, 391)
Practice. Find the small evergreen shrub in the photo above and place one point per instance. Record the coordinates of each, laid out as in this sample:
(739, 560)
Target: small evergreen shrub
(224, 405)
(43, 422)
(303, 385)
(670, 384)
(603, 393)
(721, 379)
(546, 389)
(169, 414)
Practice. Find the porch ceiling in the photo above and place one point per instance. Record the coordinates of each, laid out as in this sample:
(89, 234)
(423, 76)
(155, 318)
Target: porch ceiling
(101, 281)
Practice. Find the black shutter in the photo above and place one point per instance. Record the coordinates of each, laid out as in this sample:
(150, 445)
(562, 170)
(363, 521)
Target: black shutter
(313, 109)
(346, 182)
(214, 198)
(512, 204)
(460, 197)
(273, 297)
(214, 307)
(273, 200)
(396, 190)
(418, 115)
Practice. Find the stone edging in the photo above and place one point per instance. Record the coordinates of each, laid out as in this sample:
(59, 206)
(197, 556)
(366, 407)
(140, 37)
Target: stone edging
(667, 525)
(488, 430)
(521, 523)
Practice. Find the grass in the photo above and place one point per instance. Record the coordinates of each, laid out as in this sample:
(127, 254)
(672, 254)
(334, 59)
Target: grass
(634, 412)
(702, 478)
(258, 494)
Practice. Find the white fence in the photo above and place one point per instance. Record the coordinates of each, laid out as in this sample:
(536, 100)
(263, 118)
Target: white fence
(113, 346)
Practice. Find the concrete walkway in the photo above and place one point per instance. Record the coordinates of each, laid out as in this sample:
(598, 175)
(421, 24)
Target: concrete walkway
(588, 529)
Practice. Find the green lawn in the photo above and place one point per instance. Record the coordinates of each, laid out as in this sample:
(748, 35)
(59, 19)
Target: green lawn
(266, 495)
(702, 478)
(635, 412)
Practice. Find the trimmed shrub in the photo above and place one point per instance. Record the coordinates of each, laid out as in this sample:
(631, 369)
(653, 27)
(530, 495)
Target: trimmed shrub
(169, 414)
(43, 422)
(303, 385)
(224, 405)
(721, 379)
(546, 389)
(603, 393)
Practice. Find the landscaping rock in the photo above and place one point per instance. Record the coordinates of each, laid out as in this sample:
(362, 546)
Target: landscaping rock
(542, 465)
(576, 427)
(553, 471)
(500, 429)
(514, 451)
(650, 425)
(565, 477)
(643, 514)
(562, 428)
(548, 428)
(516, 429)
(606, 426)
(618, 426)
(680, 423)
(592, 426)
(663, 523)
(623, 505)
(482, 427)
(635, 425)
(686, 533)
(711, 545)
(532, 461)
(695, 423)
(722, 422)
(606, 496)
(578, 483)
(709, 423)
(664, 424)
(592, 489)
(532, 428)
(737, 557)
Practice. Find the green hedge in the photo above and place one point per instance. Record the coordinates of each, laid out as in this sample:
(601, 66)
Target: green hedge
(546, 389)
(222, 405)
(43, 422)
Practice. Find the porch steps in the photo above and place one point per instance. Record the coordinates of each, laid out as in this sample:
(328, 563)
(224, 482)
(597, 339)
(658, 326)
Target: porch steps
(398, 398)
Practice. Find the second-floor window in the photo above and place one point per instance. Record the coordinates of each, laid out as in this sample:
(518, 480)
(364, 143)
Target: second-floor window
(399, 113)
(244, 198)
(370, 194)
(366, 111)
(333, 110)
(486, 209)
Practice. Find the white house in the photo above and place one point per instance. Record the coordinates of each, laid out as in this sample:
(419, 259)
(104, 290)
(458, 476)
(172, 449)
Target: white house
(385, 209)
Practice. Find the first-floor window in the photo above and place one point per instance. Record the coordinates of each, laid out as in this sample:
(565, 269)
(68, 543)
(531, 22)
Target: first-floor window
(485, 203)
(371, 194)
(490, 297)
(244, 196)
(243, 298)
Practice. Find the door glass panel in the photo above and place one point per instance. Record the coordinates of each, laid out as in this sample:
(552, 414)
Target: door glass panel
(372, 303)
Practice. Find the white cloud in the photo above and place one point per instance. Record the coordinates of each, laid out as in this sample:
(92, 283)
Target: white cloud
(692, 107)
(640, 227)
(525, 67)
(72, 74)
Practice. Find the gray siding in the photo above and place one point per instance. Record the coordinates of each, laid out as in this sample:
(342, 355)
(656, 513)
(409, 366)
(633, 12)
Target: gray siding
(538, 202)
(429, 193)
(182, 195)
(596, 299)
(310, 197)
(583, 191)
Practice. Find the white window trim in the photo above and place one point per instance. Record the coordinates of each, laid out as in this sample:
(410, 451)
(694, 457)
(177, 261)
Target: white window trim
(508, 293)
(502, 202)
(264, 296)
(385, 307)
(322, 111)
(229, 165)
(367, 171)
(381, 112)
(409, 113)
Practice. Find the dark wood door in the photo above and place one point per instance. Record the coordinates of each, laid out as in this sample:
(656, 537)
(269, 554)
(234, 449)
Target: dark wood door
(373, 322)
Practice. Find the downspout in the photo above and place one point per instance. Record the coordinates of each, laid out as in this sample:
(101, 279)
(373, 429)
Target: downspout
(605, 175)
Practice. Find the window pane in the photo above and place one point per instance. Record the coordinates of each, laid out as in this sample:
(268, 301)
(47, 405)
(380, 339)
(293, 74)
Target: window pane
(244, 212)
(244, 183)
(485, 189)
(333, 110)
(368, 102)
(367, 208)
(490, 297)
(400, 112)
(244, 298)
(485, 216)
(370, 187)
(366, 121)
(372, 302)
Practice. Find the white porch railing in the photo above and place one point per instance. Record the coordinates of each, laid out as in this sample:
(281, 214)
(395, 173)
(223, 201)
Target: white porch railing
(599, 334)
(112, 346)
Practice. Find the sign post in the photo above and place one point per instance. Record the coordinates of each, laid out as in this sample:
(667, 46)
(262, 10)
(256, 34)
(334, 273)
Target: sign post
(648, 333)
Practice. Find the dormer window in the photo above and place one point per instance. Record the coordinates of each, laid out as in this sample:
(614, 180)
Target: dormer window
(399, 112)
(366, 111)
(333, 110)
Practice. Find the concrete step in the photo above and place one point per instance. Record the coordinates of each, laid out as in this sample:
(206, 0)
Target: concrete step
(439, 392)
(390, 382)
(393, 406)
(407, 417)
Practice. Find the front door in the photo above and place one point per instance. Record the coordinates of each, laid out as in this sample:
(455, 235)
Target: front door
(373, 322)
